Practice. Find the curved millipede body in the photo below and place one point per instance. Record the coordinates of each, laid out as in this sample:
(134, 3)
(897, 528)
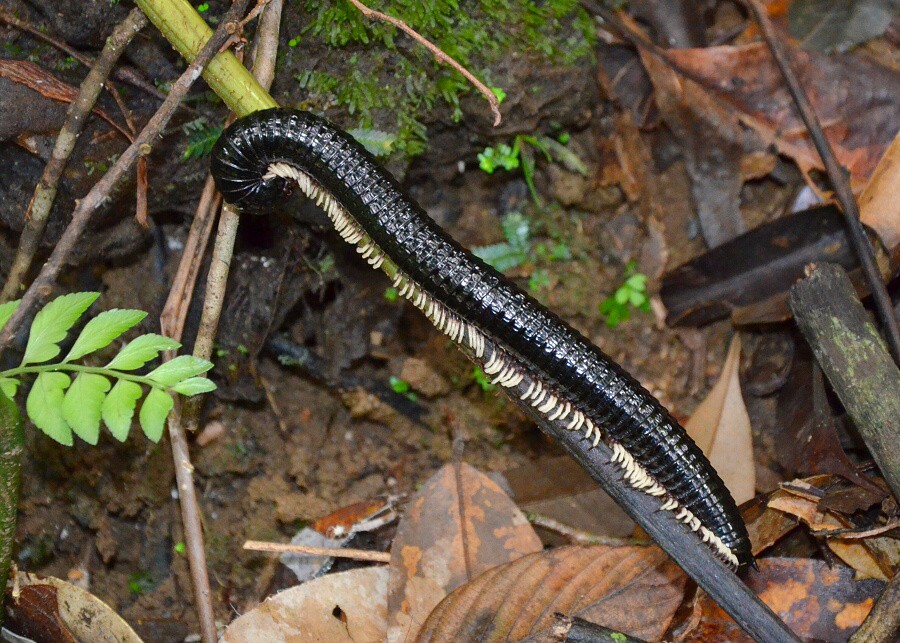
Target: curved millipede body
(261, 157)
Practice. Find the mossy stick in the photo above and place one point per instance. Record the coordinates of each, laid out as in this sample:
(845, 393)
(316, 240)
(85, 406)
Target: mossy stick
(12, 439)
(855, 359)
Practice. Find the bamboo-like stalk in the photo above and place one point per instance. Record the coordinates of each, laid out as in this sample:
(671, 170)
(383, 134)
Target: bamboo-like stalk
(183, 27)
(12, 440)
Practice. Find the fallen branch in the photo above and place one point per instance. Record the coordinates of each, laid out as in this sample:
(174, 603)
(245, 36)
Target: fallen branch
(308, 550)
(855, 360)
(76, 117)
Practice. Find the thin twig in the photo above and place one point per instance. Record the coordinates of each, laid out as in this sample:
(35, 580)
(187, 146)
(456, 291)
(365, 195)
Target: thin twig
(125, 74)
(837, 175)
(203, 347)
(81, 216)
(76, 117)
(577, 536)
(307, 550)
(174, 313)
(436, 51)
(855, 533)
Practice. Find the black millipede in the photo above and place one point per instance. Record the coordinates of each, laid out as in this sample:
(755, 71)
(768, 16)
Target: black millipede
(261, 157)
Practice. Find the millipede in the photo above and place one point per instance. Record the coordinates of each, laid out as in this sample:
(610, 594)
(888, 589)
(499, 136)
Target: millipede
(261, 158)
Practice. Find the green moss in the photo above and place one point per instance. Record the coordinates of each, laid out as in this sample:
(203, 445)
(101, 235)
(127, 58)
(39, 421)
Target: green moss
(376, 76)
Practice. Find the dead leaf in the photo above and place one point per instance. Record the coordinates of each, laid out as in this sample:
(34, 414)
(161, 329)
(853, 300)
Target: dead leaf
(346, 607)
(817, 601)
(878, 201)
(857, 101)
(825, 25)
(457, 526)
(52, 610)
(46, 84)
(767, 526)
(852, 551)
(634, 590)
(721, 428)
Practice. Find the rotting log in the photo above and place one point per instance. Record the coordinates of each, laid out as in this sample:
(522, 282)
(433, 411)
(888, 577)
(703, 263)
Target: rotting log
(855, 359)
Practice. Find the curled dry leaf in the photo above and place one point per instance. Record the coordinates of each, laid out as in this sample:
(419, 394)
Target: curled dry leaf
(345, 607)
(635, 590)
(459, 525)
(854, 552)
(819, 602)
(721, 427)
(50, 609)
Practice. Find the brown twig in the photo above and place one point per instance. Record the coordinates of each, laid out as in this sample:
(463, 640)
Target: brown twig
(125, 74)
(175, 311)
(573, 535)
(438, 53)
(855, 533)
(76, 116)
(837, 175)
(203, 346)
(81, 216)
(307, 550)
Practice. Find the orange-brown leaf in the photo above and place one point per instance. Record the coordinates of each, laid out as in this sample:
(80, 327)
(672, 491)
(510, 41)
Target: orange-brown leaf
(459, 525)
(635, 590)
(816, 600)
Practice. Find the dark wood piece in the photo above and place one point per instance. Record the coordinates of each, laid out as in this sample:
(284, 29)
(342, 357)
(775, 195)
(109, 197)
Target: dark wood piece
(855, 359)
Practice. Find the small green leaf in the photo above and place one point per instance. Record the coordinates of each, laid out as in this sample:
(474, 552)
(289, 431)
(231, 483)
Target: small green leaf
(638, 281)
(81, 405)
(516, 229)
(154, 411)
(7, 310)
(502, 256)
(9, 386)
(141, 350)
(44, 406)
(178, 369)
(194, 386)
(378, 143)
(398, 385)
(499, 93)
(118, 408)
(637, 298)
(621, 295)
(52, 323)
(102, 330)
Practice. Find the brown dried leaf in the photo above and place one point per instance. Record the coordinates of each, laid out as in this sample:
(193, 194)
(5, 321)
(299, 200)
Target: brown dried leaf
(459, 525)
(721, 427)
(767, 526)
(878, 201)
(857, 101)
(634, 590)
(347, 607)
(46, 84)
(816, 600)
(52, 610)
(854, 552)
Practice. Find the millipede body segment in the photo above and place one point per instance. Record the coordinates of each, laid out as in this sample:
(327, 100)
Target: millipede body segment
(260, 158)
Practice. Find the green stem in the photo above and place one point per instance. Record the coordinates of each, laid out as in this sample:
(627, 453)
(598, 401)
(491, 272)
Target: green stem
(183, 27)
(77, 368)
(12, 439)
